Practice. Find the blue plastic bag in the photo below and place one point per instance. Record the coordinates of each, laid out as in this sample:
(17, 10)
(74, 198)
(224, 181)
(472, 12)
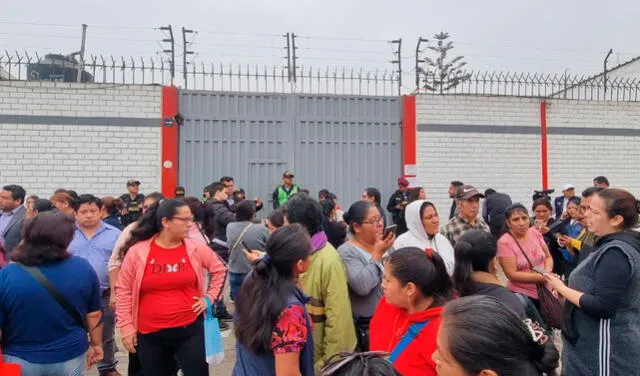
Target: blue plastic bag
(214, 350)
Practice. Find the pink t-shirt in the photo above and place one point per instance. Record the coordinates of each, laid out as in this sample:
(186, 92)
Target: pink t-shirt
(534, 247)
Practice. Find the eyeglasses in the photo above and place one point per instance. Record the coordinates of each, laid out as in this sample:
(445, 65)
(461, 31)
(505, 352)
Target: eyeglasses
(184, 219)
(374, 221)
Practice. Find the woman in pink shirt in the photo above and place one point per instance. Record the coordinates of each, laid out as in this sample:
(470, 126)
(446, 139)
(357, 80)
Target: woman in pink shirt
(523, 239)
(161, 291)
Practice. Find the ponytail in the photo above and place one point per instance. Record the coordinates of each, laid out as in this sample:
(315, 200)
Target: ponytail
(473, 253)
(463, 268)
(265, 293)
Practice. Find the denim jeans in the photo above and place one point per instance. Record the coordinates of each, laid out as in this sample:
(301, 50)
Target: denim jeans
(72, 367)
(235, 282)
(109, 361)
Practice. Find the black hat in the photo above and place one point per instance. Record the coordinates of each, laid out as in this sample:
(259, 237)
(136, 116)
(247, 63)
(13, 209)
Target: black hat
(132, 182)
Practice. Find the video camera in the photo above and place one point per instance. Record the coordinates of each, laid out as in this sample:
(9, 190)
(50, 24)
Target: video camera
(546, 193)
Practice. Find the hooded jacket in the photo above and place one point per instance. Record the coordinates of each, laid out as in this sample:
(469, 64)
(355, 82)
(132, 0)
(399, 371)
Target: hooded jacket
(417, 237)
(390, 324)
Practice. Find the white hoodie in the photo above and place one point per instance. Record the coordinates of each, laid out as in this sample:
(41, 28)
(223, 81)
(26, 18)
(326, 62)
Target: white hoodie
(417, 237)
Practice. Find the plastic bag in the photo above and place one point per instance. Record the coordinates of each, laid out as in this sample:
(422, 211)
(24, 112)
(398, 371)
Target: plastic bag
(214, 350)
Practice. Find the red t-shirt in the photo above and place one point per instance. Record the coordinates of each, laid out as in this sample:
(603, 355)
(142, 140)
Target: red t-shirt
(167, 290)
(389, 324)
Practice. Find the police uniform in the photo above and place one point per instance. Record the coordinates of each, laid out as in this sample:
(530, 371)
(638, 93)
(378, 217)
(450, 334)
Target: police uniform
(133, 205)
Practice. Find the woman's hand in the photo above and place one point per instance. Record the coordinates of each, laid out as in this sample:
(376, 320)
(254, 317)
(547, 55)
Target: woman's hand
(553, 281)
(112, 299)
(130, 343)
(199, 306)
(94, 355)
(252, 255)
(383, 245)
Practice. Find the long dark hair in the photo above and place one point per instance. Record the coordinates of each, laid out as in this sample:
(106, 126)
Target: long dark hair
(151, 222)
(484, 334)
(426, 270)
(473, 253)
(45, 239)
(263, 296)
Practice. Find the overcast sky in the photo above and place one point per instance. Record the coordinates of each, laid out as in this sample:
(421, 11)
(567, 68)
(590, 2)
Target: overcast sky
(531, 36)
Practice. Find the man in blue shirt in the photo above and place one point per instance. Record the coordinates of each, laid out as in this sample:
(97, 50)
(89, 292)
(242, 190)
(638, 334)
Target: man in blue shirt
(94, 241)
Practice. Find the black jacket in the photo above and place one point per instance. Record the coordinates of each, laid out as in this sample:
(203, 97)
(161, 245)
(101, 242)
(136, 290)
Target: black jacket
(218, 216)
(494, 213)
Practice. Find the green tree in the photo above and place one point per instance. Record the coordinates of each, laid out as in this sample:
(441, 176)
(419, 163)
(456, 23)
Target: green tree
(443, 74)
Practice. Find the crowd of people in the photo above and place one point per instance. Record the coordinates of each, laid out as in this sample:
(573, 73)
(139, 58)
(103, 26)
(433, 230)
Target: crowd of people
(315, 289)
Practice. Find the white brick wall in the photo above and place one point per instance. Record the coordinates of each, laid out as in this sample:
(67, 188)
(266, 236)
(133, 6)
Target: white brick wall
(506, 162)
(577, 159)
(95, 159)
(511, 162)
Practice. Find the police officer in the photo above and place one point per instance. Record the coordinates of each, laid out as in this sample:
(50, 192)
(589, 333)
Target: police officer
(132, 203)
(284, 191)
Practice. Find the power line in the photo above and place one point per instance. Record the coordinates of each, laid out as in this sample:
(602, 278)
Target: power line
(75, 37)
(344, 39)
(238, 33)
(74, 26)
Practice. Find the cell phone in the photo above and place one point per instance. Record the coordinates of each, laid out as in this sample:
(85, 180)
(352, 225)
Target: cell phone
(389, 230)
(245, 245)
(539, 270)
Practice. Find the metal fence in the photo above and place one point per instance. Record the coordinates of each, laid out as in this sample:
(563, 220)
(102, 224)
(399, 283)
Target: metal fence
(574, 87)
(200, 76)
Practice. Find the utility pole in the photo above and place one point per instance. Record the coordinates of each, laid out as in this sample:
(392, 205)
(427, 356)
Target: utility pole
(288, 48)
(605, 70)
(81, 53)
(185, 52)
(294, 58)
(418, 61)
(171, 51)
(398, 53)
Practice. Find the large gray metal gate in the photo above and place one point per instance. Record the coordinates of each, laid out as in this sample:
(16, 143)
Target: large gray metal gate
(338, 142)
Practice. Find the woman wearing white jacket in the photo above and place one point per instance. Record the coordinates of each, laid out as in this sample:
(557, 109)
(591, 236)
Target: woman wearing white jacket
(424, 232)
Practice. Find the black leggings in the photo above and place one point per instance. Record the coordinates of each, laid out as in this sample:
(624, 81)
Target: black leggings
(158, 351)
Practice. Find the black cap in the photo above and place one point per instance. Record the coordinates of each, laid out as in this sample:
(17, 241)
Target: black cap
(132, 182)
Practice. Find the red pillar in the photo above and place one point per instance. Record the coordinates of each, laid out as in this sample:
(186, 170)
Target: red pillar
(543, 144)
(409, 129)
(169, 140)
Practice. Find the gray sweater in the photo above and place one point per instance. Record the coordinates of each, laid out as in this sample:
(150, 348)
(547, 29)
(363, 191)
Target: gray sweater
(255, 238)
(364, 278)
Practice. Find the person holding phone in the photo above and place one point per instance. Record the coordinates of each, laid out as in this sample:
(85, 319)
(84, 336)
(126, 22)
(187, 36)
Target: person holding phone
(362, 257)
(550, 227)
(522, 251)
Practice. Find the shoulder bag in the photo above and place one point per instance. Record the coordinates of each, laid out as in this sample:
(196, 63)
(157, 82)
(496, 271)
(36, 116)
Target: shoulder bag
(55, 294)
(550, 305)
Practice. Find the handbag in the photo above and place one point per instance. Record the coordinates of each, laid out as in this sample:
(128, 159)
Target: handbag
(55, 294)
(550, 304)
(214, 350)
(8, 369)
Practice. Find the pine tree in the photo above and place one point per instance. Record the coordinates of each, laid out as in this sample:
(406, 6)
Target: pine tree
(442, 74)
